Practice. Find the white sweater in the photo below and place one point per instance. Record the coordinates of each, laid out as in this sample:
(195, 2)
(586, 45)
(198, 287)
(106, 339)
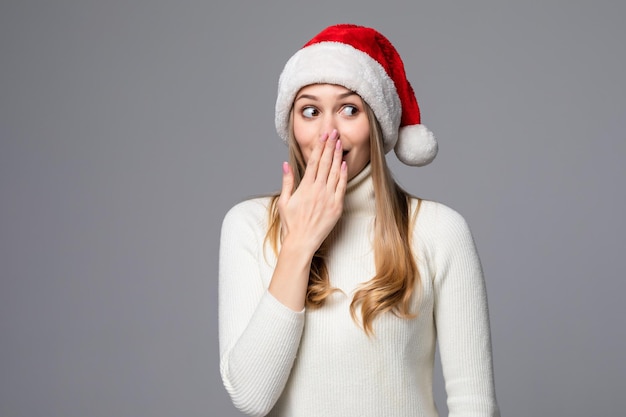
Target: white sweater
(318, 362)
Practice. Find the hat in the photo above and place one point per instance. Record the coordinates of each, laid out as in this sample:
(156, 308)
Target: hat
(364, 61)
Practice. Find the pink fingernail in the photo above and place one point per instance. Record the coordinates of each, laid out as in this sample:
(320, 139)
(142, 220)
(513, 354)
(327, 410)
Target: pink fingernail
(324, 137)
(344, 166)
(285, 167)
(333, 134)
(338, 145)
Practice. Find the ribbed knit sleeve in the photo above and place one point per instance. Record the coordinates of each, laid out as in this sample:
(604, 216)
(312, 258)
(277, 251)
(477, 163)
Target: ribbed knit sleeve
(259, 336)
(462, 318)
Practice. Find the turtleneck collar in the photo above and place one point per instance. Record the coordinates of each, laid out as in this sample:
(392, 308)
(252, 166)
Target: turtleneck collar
(359, 199)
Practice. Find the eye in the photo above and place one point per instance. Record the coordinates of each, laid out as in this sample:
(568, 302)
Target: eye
(349, 110)
(309, 112)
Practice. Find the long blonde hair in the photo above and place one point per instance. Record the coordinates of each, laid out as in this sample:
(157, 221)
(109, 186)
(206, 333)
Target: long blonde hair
(397, 275)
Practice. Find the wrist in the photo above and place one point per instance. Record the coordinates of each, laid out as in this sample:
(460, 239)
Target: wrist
(291, 275)
(299, 248)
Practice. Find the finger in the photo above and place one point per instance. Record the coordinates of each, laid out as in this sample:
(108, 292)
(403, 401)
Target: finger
(288, 181)
(311, 167)
(335, 169)
(326, 159)
(343, 181)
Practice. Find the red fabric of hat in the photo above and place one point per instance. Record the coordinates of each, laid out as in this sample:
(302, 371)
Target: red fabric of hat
(362, 60)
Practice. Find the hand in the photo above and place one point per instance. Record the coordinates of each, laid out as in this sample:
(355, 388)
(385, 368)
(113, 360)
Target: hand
(309, 214)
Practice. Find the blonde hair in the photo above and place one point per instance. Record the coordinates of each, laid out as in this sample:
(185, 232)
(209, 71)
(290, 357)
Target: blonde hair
(392, 288)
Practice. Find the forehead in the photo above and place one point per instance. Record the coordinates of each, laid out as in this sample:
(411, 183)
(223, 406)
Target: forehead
(324, 90)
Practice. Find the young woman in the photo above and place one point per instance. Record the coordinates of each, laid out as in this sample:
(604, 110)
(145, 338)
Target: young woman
(334, 293)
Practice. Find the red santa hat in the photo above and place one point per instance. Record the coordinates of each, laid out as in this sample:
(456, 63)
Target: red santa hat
(364, 61)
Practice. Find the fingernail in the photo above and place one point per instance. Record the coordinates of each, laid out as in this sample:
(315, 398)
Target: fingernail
(338, 145)
(285, 167)
(333, 134)
(344, 166)
(324, 137)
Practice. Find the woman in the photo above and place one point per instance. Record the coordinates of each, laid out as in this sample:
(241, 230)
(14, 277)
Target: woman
(334, 293)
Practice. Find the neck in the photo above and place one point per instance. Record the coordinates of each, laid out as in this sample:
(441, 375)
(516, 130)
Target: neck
(359, 199)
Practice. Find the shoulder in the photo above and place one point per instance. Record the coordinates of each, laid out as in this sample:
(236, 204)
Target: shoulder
(252, 213)
(437, 224)
(444, 238)
(435, 215)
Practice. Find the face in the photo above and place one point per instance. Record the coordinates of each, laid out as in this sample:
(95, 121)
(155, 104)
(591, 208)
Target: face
(320, 108)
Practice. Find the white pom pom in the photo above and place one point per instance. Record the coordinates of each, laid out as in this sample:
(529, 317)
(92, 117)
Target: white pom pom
(416, 146)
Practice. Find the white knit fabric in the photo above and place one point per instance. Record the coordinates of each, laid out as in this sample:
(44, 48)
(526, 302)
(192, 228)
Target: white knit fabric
(278, 362)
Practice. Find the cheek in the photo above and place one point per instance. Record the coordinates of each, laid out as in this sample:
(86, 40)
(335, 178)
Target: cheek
(305, 153)
(304, 138)
(362, 138)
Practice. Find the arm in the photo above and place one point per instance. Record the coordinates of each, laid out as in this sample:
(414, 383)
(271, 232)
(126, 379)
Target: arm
(260, 328)
(462, 320)
(258, 335)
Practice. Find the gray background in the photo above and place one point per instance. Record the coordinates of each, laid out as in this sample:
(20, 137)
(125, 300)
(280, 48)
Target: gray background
(128, 128)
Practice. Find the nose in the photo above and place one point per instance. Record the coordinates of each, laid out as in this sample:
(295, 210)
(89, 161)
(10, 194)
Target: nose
(329, 124)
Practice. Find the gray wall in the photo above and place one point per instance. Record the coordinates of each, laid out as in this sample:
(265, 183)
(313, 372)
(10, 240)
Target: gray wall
(129, 128)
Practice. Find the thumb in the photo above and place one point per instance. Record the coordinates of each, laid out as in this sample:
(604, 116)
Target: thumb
(287, 189)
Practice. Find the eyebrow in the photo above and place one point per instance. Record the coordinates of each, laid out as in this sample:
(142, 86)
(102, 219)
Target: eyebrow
(315, 98)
